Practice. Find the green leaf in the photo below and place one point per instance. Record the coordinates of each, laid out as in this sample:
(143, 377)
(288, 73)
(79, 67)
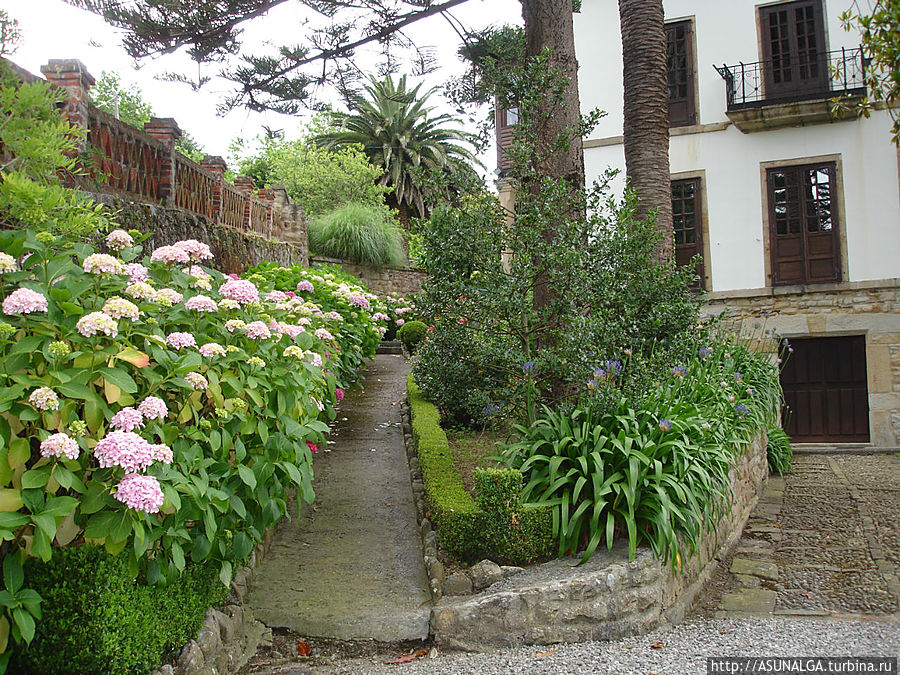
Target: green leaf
(177, 555)
(120, 378)
(19, 452)
(36, 478)
(25, 623)
(10, 521)
(247, 476)
(13, 574)
(60, 506)
(225, 573)
(47, 524)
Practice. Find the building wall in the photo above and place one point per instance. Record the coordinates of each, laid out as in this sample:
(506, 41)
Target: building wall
(869, 191)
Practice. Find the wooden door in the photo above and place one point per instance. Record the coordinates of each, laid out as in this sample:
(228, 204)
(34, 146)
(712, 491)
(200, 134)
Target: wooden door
(687, 225)
(825, 390)
(794, 49)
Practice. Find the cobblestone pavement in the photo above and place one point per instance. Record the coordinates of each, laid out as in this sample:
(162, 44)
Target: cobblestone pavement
(823, 541)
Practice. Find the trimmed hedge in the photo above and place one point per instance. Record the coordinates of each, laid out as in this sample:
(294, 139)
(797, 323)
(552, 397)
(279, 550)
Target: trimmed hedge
(495, 524)
(97, 618)
(412, 334)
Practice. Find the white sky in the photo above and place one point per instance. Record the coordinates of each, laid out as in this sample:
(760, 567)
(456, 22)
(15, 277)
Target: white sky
(53, 30)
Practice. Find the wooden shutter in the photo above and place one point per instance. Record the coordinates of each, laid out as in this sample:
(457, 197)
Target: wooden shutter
(802, 224)
(794, 51)
(680, 77)
(687, 224)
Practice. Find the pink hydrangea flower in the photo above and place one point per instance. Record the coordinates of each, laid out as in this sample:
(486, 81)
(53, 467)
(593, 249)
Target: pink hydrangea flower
(96, 323)
(24, 301)
(339, 394)
(170, 294)
(334, 316)
(211, 349)
(59, 445)
(196, 380)
(315, 358)
(141, 290)
(153, 408)
(380, 316)
(162, 453)
(358, 301)
(196, 250)
(225, 303)
(170, 255)
(136, 272)
(44, 398)
(290, 294)
(233, 325)
(127, 419)
(119, 239)
(141, 493)
(312, 447)
(120, 308)
(234, 276)
(201, 303)
(240, 290)
(323, 334)
(124, 449)
(305, 285)
(291, 330)
(7, 264)
(276, 296)
(257, 330)
(103, 263)
(180, 340)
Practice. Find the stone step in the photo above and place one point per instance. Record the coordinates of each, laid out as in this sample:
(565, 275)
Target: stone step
(390, 347)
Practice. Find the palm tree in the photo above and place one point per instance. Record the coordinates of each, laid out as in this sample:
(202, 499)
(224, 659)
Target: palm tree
(646, 128)
(397, 133)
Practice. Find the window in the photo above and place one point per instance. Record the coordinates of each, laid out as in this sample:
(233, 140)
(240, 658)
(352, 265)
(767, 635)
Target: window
(687, 224)
(802, 225)
(510, 117)
(680, 80)
(793, 40)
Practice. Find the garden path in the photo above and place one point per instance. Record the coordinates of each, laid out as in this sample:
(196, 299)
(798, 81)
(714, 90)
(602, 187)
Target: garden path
(823, 541)
(350, 567)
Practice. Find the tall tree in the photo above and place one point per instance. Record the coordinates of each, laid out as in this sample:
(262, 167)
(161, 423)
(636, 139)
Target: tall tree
(646, 126)
(399, 134)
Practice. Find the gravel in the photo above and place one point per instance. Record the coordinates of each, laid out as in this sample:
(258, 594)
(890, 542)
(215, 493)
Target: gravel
(681, 650)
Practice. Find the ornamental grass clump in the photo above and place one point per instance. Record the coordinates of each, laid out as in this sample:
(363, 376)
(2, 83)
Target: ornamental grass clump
(653, 468)
(359, 233)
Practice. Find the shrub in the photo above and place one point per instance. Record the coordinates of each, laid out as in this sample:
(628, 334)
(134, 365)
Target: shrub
(412, 334)
(98, 619)
(495, 524)
(654, 468)
(358, 233)
(778, 450)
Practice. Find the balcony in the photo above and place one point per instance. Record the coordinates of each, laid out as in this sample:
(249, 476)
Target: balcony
(793, 90)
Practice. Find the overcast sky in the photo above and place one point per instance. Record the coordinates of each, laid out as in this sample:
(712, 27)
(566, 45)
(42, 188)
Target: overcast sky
(53, 30)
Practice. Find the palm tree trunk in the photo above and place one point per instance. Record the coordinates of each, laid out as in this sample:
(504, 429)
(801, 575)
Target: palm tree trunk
(646, 126)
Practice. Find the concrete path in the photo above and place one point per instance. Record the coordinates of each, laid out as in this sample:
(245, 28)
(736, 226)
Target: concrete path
(350, 568)
(823, 541)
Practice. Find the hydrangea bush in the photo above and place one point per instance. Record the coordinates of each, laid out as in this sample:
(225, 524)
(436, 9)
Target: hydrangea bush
(156, 407)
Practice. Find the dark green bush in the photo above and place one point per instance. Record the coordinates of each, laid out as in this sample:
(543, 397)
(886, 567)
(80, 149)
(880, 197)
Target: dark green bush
(412, 334)
(359, 233)
(98, 619)
(494, 525)
(779, 451)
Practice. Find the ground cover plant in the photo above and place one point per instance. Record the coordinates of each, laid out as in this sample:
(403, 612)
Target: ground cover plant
(358, 233)
(653, 466)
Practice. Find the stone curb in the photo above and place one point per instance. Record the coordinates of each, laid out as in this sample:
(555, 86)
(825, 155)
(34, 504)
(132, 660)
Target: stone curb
(228, 637)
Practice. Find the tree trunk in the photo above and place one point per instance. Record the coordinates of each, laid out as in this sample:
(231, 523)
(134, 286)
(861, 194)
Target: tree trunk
(548, 24)
(646, 112)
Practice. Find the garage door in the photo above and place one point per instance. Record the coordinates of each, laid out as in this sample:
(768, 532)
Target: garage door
(825, 392)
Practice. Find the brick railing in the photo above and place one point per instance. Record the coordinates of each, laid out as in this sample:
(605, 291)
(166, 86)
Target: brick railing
(143, 165)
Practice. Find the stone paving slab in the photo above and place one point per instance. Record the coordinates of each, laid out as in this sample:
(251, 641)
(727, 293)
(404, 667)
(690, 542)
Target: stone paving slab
(823, 541)
(351, 566)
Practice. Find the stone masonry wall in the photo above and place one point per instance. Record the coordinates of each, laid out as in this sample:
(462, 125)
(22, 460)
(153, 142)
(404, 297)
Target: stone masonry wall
(607, 597)
(869, 308)
(234, 250)
(404, 281)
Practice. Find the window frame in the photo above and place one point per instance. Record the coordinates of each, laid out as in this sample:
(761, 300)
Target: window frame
(798, 88)
(689, 101)
(835, 214)
(701, 239)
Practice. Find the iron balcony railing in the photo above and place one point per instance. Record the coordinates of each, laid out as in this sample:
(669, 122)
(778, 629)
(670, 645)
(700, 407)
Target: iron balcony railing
(795, 77)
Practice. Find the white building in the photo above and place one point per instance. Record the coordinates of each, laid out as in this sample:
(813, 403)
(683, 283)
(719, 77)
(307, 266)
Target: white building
(796, 213)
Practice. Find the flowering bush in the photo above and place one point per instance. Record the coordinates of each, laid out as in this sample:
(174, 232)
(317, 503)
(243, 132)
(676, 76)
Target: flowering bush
(652, 466)
(159, 410)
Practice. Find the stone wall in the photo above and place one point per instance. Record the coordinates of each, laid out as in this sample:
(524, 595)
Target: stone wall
(403, 281)
(607, 597)
(869, 308)
(234, 250)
